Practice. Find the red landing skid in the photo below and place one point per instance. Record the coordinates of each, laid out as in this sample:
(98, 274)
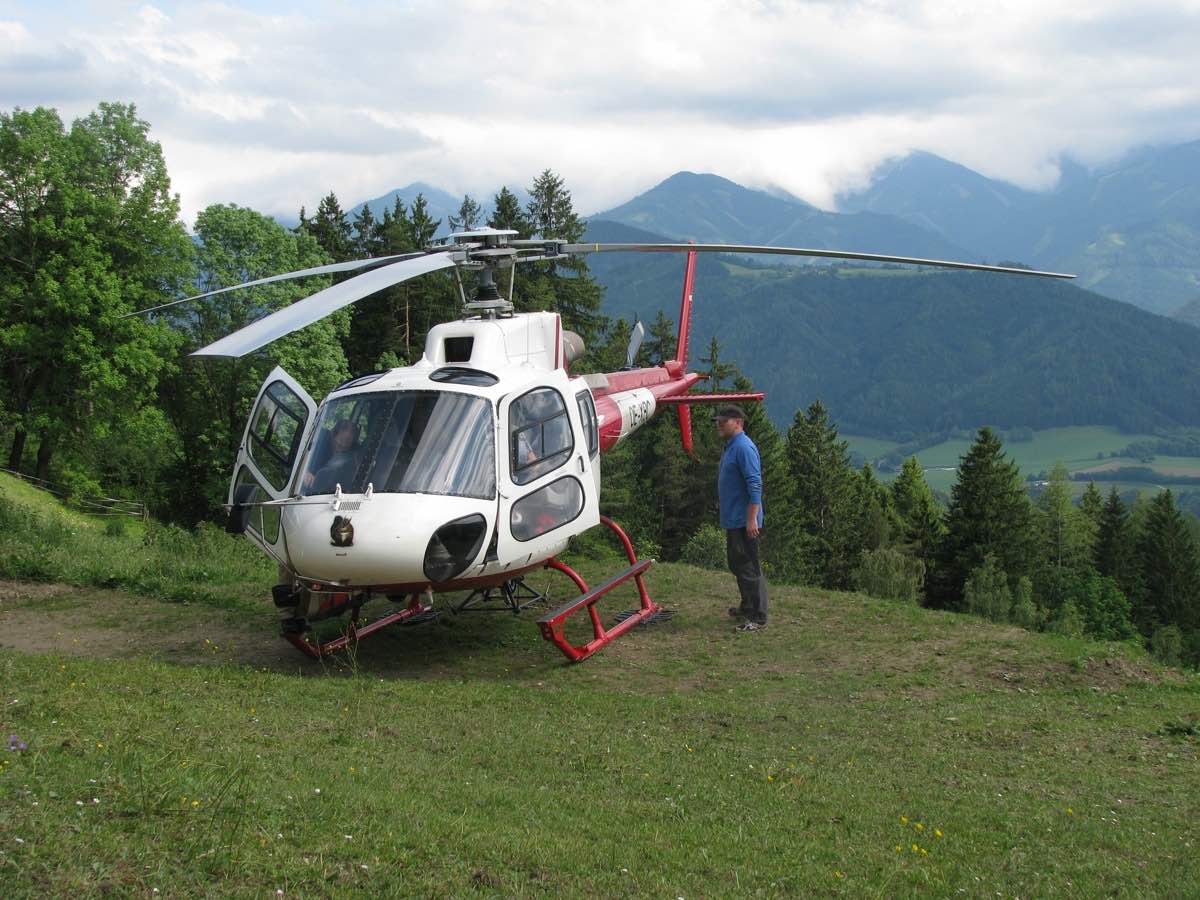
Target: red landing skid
(355, 632)
(552, 624)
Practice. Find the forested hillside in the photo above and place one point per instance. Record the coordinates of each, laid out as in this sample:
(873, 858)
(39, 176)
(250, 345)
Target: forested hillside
(897, 352)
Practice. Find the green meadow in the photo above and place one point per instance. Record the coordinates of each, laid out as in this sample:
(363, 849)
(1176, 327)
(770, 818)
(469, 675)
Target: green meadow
(168, 743)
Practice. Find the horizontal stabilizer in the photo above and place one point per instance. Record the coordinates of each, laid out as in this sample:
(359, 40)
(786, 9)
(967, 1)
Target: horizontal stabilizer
(688, 399)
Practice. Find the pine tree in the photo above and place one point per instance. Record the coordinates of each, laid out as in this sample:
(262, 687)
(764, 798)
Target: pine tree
(1065, 538)
(550, 210)
(469, 215)
(921, 524)
(507, 214)
(719, 373)
(825, 491)
(1170, 570)
(1092, 506)
(989, 514)
(396, 231)
(661, 340)
(331, 229)
(423, 225)
(365, 243)
(878, 525)
(565, 284)
(1114, 554)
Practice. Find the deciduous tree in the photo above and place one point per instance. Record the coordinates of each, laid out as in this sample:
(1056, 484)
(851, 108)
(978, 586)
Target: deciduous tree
(89, 231)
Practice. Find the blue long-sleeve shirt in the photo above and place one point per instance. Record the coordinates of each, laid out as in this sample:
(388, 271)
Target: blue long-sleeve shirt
(739, 481)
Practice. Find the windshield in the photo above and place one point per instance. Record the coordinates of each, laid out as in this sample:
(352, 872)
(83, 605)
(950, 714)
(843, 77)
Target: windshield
(419, 442)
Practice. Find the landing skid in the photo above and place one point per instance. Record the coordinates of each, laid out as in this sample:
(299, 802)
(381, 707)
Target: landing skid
(553, 624)
(414, 613)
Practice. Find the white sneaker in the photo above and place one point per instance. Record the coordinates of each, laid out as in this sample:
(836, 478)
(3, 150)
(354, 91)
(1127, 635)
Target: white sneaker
(751, 626)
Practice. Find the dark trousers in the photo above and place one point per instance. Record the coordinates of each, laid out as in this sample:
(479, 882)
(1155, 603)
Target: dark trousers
(742, 553)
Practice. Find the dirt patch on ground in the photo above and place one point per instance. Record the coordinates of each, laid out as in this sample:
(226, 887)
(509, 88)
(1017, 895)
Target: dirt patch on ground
(73, 621)
(18, 591)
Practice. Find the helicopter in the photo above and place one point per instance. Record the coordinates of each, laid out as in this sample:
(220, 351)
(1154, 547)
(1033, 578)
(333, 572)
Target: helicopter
(468, 470)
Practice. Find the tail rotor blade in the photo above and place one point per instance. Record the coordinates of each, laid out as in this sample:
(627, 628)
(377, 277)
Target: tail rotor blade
(635, 344)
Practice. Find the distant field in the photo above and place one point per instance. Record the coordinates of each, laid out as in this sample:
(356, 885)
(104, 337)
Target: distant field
(869, 448)
(1180, 466)
(1080, 449)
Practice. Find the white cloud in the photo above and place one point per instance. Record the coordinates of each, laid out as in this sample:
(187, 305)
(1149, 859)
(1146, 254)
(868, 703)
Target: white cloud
(272, 106)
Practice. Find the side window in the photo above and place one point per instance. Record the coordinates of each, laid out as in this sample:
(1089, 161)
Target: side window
(547, 508)
(264, 520)
(539, 434)
(587, 415)
(275, 431)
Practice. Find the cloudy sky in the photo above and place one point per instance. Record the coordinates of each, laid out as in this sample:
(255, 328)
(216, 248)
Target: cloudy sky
(272, 104)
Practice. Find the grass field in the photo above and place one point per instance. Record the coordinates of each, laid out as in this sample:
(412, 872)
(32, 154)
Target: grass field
(855, 748)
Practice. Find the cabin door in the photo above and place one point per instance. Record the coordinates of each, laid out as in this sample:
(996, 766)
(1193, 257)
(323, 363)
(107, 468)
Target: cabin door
(547, 489)
(267, 459)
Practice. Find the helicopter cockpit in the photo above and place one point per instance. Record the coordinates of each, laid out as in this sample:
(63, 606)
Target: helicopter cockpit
(409, 442)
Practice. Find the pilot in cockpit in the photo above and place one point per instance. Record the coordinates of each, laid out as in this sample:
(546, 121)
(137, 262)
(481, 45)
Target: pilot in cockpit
(342, 463)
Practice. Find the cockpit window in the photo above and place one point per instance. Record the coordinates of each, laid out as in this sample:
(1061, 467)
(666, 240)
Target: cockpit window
(409, 442)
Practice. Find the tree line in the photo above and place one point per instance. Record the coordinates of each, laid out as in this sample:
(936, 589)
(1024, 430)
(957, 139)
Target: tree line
(95, 399)
(100, 401)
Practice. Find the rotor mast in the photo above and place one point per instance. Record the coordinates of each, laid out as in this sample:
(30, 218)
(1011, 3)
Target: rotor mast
(488, 251)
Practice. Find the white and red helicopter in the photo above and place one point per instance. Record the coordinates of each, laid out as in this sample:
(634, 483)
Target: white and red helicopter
(464, 472)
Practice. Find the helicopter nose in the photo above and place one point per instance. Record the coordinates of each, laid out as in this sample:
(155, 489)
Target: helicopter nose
(390, 539)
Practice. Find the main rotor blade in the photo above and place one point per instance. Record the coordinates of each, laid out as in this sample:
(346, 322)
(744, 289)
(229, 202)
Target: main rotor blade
(798, 251)
(300, 273)
(319, 305)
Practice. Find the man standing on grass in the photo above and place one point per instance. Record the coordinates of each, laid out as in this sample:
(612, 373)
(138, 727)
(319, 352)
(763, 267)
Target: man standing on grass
(739, 487)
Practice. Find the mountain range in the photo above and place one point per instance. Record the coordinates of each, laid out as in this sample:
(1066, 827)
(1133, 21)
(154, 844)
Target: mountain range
(1131, 232)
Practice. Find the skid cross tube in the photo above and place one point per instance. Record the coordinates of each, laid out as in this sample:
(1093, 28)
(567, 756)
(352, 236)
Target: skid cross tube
(553, 623)
(355, 632)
